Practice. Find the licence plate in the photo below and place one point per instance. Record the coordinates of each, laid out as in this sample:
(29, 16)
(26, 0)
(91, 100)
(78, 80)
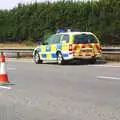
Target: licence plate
(86, 50)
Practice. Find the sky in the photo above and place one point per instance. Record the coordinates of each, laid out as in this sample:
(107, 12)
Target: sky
(9, 4)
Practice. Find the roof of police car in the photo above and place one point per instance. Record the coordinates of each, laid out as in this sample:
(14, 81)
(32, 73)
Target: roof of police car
(74, 33)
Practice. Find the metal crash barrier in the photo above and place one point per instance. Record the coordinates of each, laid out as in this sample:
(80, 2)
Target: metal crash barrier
(28, 52)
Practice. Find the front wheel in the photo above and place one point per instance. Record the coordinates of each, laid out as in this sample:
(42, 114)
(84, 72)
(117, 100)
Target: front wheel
(37, 58)
(60, 59)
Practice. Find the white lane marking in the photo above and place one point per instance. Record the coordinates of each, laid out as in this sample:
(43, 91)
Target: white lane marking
(11, 68)
(21, 60)
(4, 87)
(97, 65)
(113, 66)
(105, 77)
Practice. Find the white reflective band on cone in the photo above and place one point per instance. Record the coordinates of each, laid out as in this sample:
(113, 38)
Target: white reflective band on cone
(2, 68)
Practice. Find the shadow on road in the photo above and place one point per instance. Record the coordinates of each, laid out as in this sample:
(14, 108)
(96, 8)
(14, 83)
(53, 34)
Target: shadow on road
(80, 62)
(85, 62)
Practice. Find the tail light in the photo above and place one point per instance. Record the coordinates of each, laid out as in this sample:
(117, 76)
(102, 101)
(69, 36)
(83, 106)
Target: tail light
(74, 47)
(70, 47)
(99, 48)
(83, 46)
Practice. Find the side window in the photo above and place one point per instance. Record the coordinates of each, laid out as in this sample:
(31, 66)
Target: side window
(65, 38)
(56, 39)
(50, 39)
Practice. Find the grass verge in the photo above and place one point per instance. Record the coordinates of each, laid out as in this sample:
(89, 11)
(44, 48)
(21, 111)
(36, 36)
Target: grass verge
(17, 45)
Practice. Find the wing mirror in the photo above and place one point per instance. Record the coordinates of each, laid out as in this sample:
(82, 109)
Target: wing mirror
(45, 43)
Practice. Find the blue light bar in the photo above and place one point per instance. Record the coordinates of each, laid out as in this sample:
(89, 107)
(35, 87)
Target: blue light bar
(60, 31)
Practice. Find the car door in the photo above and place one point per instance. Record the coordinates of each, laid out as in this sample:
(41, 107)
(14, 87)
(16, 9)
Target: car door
(48, 50)
(53, 47)
(65, 45)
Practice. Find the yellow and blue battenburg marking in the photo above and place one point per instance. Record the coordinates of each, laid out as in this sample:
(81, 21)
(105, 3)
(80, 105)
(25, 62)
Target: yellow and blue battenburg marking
(48, 52)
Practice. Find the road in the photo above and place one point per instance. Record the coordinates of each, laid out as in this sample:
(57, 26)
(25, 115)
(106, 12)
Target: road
(53, 92)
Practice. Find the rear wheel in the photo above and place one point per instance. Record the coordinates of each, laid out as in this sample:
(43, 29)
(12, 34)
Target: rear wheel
(60, 59)
(37, 58)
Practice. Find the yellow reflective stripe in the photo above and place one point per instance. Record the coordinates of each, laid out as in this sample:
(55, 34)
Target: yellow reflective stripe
(49, 57)
(65, 47)
(53, 48)
(43, 48)
(40, 55)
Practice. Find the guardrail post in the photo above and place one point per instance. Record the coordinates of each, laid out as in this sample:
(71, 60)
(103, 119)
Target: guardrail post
(18, 54)
(2, 53)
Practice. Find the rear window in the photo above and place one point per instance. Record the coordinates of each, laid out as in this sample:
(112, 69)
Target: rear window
(84, 39)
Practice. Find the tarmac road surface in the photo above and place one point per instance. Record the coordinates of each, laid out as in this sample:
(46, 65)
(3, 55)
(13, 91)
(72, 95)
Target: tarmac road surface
(53, 92)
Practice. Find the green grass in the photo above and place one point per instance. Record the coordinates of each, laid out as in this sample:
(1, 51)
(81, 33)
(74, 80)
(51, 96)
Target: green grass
(18, 45)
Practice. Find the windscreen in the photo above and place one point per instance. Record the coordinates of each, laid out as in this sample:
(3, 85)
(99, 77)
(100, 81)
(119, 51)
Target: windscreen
(84, 39)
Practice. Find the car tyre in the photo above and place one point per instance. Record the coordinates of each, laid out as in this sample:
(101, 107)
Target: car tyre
(37, 58)
(60, 59)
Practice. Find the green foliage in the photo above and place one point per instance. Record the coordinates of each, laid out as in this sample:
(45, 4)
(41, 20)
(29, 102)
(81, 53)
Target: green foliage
(32, 21)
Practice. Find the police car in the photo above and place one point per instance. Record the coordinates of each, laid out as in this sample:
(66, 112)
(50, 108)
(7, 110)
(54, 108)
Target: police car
(65, 46)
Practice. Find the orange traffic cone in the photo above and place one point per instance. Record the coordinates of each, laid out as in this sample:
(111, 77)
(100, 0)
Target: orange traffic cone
(3, 74)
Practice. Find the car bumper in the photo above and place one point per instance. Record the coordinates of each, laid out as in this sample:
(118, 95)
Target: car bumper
(97, 56)
(87, 57)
